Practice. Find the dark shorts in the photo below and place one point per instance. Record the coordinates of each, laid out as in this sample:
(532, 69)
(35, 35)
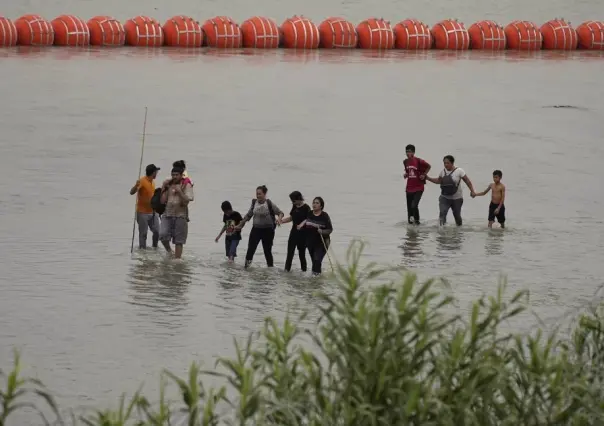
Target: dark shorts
(500, 216)
(174, 229)
(230, 247)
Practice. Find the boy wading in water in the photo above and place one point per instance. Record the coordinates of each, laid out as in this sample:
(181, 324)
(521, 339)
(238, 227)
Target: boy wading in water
(416, 170)
(497, 206)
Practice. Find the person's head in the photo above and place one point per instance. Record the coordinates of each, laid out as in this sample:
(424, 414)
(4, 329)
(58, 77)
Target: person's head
(318, 204)
(297, 198)
(180, 163)
(410, 151)
(177, 174)
(226, 207)
(449, 162)
(151, 171)
(497, 175)
(261, 192)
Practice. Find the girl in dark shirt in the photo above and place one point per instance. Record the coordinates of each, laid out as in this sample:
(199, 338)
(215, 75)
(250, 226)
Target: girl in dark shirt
(318, 229)
(297, 237)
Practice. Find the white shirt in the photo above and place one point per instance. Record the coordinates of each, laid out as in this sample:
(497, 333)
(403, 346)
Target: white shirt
(457, 176)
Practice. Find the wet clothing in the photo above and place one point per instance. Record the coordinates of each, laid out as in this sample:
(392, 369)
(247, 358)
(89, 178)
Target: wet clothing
(415, 167)
(263, 229)
(444, 204)
(413, 199)
(317, 243)
(145, 222)
(297, 238)
(232, 235)
(174, 229)
(174, 204)
(500, 216)
(451, 194)
(145, 193)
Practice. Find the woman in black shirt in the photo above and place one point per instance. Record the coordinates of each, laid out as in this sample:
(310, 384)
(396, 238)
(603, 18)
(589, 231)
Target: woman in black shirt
(297, 237)
(318, 229)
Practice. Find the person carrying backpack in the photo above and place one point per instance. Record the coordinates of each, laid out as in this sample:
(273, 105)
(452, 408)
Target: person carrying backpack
(266, 217)
(451, 195)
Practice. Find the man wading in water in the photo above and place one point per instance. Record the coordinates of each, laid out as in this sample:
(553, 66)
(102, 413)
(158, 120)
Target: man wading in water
(145, 216)
(416, 170)
(450, 187)
(174, 223)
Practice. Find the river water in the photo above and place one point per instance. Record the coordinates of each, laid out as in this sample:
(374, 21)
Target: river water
(93, 321)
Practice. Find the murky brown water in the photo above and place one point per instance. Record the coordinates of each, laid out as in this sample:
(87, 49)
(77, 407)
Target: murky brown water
(94, 322)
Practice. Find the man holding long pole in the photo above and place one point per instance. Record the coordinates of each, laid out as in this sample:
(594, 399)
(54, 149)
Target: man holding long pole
(145, 216)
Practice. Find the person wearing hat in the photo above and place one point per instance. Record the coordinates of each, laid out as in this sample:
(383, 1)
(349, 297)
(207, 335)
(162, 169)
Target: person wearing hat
(145, 217)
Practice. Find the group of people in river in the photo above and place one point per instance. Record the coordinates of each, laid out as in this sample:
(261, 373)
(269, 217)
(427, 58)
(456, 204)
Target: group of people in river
(451, 195)
(165, 211)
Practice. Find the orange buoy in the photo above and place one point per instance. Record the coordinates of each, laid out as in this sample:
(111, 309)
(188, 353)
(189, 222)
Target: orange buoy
(337, 33)
(33, 30)
(70, 31)
(375, 34)
(182, 31)
(222, 32)
(487, 35)
(591, 35)
(106, 31)
(523, 35)
(450, 34)
(558, 35)
(8, 32)
(259, 32)
(412, 34)
(299, 32)
(143, 31)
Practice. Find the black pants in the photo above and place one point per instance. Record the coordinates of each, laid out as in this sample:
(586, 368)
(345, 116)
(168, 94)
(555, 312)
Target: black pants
(317, 253)
(413, 205)
(297, 240)
(500, 216)
(266, 235)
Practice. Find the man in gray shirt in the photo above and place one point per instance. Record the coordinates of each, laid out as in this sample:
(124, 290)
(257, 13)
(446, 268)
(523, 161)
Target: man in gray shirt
(174, 224)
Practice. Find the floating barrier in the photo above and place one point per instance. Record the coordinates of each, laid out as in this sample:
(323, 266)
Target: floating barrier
(301, 33)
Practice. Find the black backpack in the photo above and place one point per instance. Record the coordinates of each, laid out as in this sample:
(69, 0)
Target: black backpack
(447, 184)
(156, 203)
(270, 210)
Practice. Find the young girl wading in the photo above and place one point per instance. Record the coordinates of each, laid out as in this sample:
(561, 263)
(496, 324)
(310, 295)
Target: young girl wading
(266, 216)
(318, 229)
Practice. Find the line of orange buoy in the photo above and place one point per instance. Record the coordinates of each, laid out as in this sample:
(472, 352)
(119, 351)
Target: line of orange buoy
(299, 32)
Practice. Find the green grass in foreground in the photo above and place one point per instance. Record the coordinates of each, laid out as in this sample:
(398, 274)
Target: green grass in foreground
(384, 355)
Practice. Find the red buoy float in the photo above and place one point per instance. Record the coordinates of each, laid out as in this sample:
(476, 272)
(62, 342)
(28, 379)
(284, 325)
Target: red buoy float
(487, 35)
(33, 30)
(450, 34)
(222, 32)
(559, 35)
(143, 31)
(337, 33)
(591, 35)
(106, 31)
(8, 32)
(182, 31)
(299, 32)
(70, 31)
(375, 34)
(412, 34)
(260, 33)
(523, 35)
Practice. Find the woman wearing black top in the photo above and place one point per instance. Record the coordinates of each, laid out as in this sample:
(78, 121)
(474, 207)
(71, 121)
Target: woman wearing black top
(318, 229)
(297, 237)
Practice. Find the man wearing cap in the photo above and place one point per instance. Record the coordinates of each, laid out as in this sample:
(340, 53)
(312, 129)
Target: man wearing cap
(145, 217)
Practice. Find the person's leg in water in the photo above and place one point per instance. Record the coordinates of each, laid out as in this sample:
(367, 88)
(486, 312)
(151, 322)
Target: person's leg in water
(410, 207)
(154, 225)
(417, 196)
(456, 209)
(267, 238)
(181, 230)
(291, 248)
(232, 250)
(491, 218)
(143, 225)
(444, 204)
(317, 259)
(252, 245)
(166, 231)
(301, 245)
(501, 217)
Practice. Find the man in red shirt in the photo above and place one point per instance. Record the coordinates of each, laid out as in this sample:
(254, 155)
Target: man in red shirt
(416, 170)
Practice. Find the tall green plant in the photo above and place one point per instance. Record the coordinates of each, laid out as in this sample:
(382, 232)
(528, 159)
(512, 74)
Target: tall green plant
(390, 354)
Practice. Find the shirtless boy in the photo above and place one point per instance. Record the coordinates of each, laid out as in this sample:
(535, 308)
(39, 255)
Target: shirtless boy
(497, 207)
